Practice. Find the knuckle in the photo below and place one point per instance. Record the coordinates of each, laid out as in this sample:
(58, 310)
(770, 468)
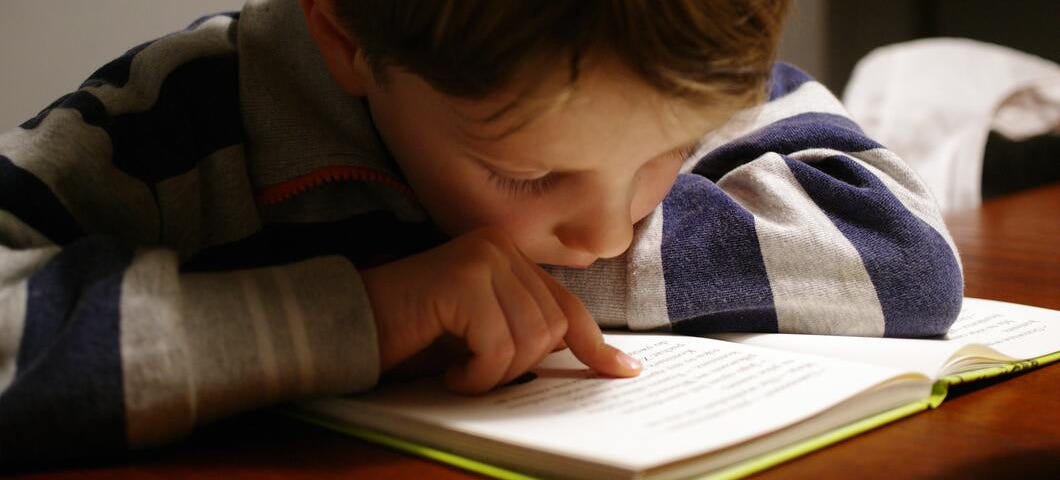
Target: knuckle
(542, 337)
(470, 270)
(480, 256)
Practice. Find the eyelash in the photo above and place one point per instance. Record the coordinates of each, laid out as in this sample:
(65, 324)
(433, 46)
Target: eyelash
(516, 186)
(541, 185)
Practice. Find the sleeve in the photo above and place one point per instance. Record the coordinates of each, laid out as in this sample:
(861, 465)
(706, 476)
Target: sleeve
(105, 344)
(788, 219)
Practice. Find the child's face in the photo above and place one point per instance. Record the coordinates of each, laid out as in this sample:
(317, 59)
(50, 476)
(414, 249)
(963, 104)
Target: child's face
(567, 187)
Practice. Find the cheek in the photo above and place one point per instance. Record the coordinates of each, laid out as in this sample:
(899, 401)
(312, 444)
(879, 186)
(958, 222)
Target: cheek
(526, 219)
(461, 198)
(452, 191)
(459, 201)
(652, 189)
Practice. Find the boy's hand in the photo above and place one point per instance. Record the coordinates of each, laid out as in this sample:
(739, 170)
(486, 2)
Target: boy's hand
(480, 288)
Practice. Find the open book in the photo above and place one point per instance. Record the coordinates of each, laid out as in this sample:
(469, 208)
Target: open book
(725, 406)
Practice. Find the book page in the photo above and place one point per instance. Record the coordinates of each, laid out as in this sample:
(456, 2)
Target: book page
(1018, 331)
(694, 395)
(984, 328)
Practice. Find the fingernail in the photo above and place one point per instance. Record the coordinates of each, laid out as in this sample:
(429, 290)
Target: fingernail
(628, 361)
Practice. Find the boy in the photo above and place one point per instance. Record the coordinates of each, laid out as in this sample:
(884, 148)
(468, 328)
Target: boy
(280, 204)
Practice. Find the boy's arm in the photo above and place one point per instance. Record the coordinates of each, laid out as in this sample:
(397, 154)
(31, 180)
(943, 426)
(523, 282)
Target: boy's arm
(104, 343)
(104, 348)
(789, 219)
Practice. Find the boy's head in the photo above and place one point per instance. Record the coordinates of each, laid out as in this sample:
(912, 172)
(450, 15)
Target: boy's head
(562, 122)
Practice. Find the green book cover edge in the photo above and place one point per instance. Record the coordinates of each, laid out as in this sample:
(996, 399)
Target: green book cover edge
(815, 443)
(742, 469)
(738, 470)
(414, 448)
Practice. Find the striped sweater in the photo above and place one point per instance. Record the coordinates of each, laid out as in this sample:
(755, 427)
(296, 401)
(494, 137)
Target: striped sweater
(180, 238)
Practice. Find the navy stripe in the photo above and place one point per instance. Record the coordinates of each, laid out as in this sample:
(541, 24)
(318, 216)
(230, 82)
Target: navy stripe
(800, 132)
(91, 109)
(67, 397)
(25, 196)
(784, 79)
(366, 240)
(196, 114)
(715, 276)
(916, 275)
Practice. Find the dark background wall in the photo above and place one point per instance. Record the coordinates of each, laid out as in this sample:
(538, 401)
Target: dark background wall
(827, 37)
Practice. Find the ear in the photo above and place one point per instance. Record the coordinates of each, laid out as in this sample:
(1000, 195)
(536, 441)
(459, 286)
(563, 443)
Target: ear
(341, 53)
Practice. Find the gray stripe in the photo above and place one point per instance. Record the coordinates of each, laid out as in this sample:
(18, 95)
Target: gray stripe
(819, 282)
(235, 341)
(296, 134)
(244, 352)
(338, 324)
(296, 319)
(18, 266)
(299, 120)
(601, 287)
(899, 179)
(333, 202)
(209, 205)
(908, 188)
(263, 332)
(12, 321)
(809, 97)
(14, 233)
(160, 389)
(647, 282)
(74, 160)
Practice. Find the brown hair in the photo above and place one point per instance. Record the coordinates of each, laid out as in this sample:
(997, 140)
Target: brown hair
(704, 51)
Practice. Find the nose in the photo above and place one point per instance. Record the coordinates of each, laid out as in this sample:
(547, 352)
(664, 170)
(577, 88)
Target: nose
(601, 226)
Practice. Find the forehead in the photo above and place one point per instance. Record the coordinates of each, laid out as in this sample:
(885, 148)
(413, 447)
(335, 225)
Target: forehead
(607, 113)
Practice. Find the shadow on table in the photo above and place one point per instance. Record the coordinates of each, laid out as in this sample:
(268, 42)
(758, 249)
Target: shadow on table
(1039, 463)
(260, 444)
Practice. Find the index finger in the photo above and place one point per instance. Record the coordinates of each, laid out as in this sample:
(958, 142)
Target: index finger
(584, 337)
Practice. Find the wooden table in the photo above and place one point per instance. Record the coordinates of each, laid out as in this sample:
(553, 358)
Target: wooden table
(1007, 428)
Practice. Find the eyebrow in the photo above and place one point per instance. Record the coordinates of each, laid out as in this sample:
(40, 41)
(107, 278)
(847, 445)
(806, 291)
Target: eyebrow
(493, 162)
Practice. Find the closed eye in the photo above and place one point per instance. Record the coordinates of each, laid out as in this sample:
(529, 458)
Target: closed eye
(515, 186)
(541, 185)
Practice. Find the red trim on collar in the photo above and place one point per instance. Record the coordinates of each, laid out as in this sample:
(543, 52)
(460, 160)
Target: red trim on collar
(280, 192)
